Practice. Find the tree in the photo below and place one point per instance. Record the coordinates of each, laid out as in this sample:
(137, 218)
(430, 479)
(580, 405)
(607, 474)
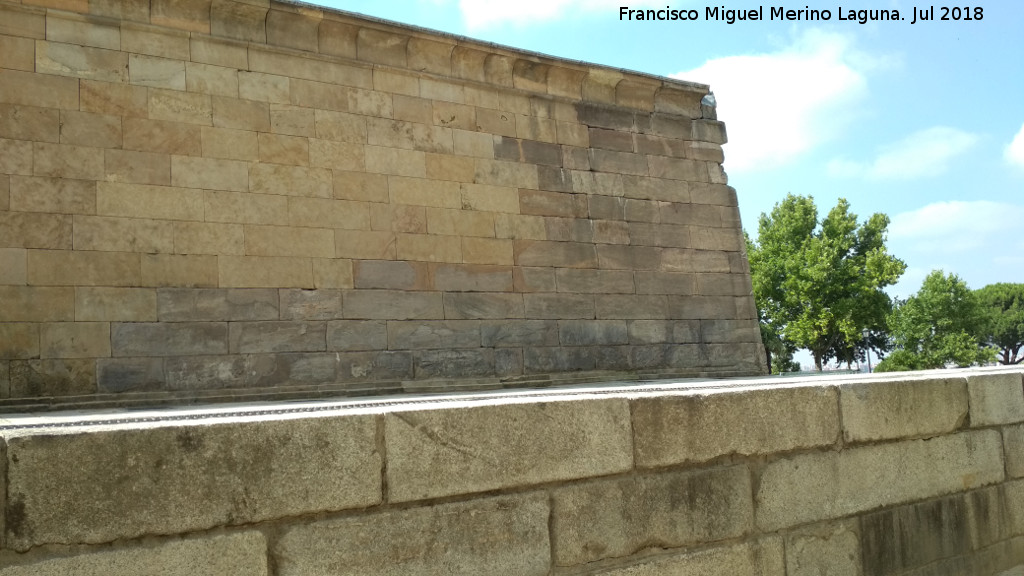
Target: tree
(936, 327)
(819, 284)
(1003, 325)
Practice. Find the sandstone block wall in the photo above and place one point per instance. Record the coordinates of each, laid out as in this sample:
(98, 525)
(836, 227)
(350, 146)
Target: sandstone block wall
(886, 476)
(204, 199)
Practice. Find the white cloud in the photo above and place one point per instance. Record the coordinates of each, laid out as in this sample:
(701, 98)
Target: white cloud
(1015, 150)
(482, 13)
(922, 154)
(781, 104)
(959, 227)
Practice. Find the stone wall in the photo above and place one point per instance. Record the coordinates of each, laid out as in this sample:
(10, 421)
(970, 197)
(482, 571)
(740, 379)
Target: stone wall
(208, 199)
(917, 475)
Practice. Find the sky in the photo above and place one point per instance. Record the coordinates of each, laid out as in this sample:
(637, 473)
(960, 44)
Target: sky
(921, 121)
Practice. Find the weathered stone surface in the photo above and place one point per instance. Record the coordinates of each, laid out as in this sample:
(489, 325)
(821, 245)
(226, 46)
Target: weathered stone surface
(822, 486)
(375, 366)
(213, 304)
(519, 333)
(444, 363)
(310, 304)
(558, 306)
(245, 472)
(762, 558)
(476, 305)
(911, 536)
(129, 374)
(618, 518)
(279, 336)
(393, 305)
(433, 334)
(701, 427)
(1013, 446)
(168, 339)
(885, 410)
(996, 399)
(433, 453)
(592, 332)
(506, 535)
(51, 377)
(832, 549)
(240, 554)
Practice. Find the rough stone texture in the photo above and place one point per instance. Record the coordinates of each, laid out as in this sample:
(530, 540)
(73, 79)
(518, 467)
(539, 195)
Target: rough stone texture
(828, 485)
(173, 167)
(996, 399)
(505, 535)
(433, 453)
(764, 558)
(831, 549)
(1013, 447)
(241, 554)
(183, 478)
(704, 426)
(902, 409)
(618, 518)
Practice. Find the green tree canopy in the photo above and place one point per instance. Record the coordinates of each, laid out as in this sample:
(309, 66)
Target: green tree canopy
(937, 326)
(1003, 325)
(818, 284)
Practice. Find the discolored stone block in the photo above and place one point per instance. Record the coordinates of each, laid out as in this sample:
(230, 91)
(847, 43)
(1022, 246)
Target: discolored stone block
(240, 554)
(764, 557)
(168, 339)
(352, 335)
(900, 409)
(515, 333)
(828, 485)
(520, 445)
(375, 366)
(433, 334)
(310, 304)
(618, 518)
(996, 399)
(129, 374)
(456, 539)
(62, 483)
(788, 418)
(474, 306)
(52, 377)
(277, 336)
(558, 306)
(455, 363)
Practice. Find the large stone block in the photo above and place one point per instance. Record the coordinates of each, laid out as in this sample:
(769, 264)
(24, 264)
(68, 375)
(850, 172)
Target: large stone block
(74, 339)
(761, 558)
(238, 554)
(375, 366)
(828, 485)
(885, 410)
(52, 377)
(277, 336)
(505, 535)
(996, 399)
(618, 518)
(393, 305)
(478, 305)
(911, 536)
(433, 334)
(214, 304)
(168, 339)
(460, 450)
(1013, 446)
(351, 335)
(832, 549)
(245, 471)
(455, 363)
(700, 427)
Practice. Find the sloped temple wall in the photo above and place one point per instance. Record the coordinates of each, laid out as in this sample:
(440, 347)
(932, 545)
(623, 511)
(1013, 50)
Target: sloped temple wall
(882, 476)
(208, 200)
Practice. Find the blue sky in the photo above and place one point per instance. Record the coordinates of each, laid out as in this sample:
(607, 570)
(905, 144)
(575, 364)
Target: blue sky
(923, 122)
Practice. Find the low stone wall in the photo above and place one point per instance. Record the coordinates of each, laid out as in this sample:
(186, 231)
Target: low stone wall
(209, 199)
(870, 476)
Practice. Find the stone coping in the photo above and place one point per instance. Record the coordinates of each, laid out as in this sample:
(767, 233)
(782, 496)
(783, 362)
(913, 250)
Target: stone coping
(331, 34)
(84, 419)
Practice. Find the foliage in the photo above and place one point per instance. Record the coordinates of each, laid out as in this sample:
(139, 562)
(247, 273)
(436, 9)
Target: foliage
(936, 327)
(1003, 326)
(818, 285)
